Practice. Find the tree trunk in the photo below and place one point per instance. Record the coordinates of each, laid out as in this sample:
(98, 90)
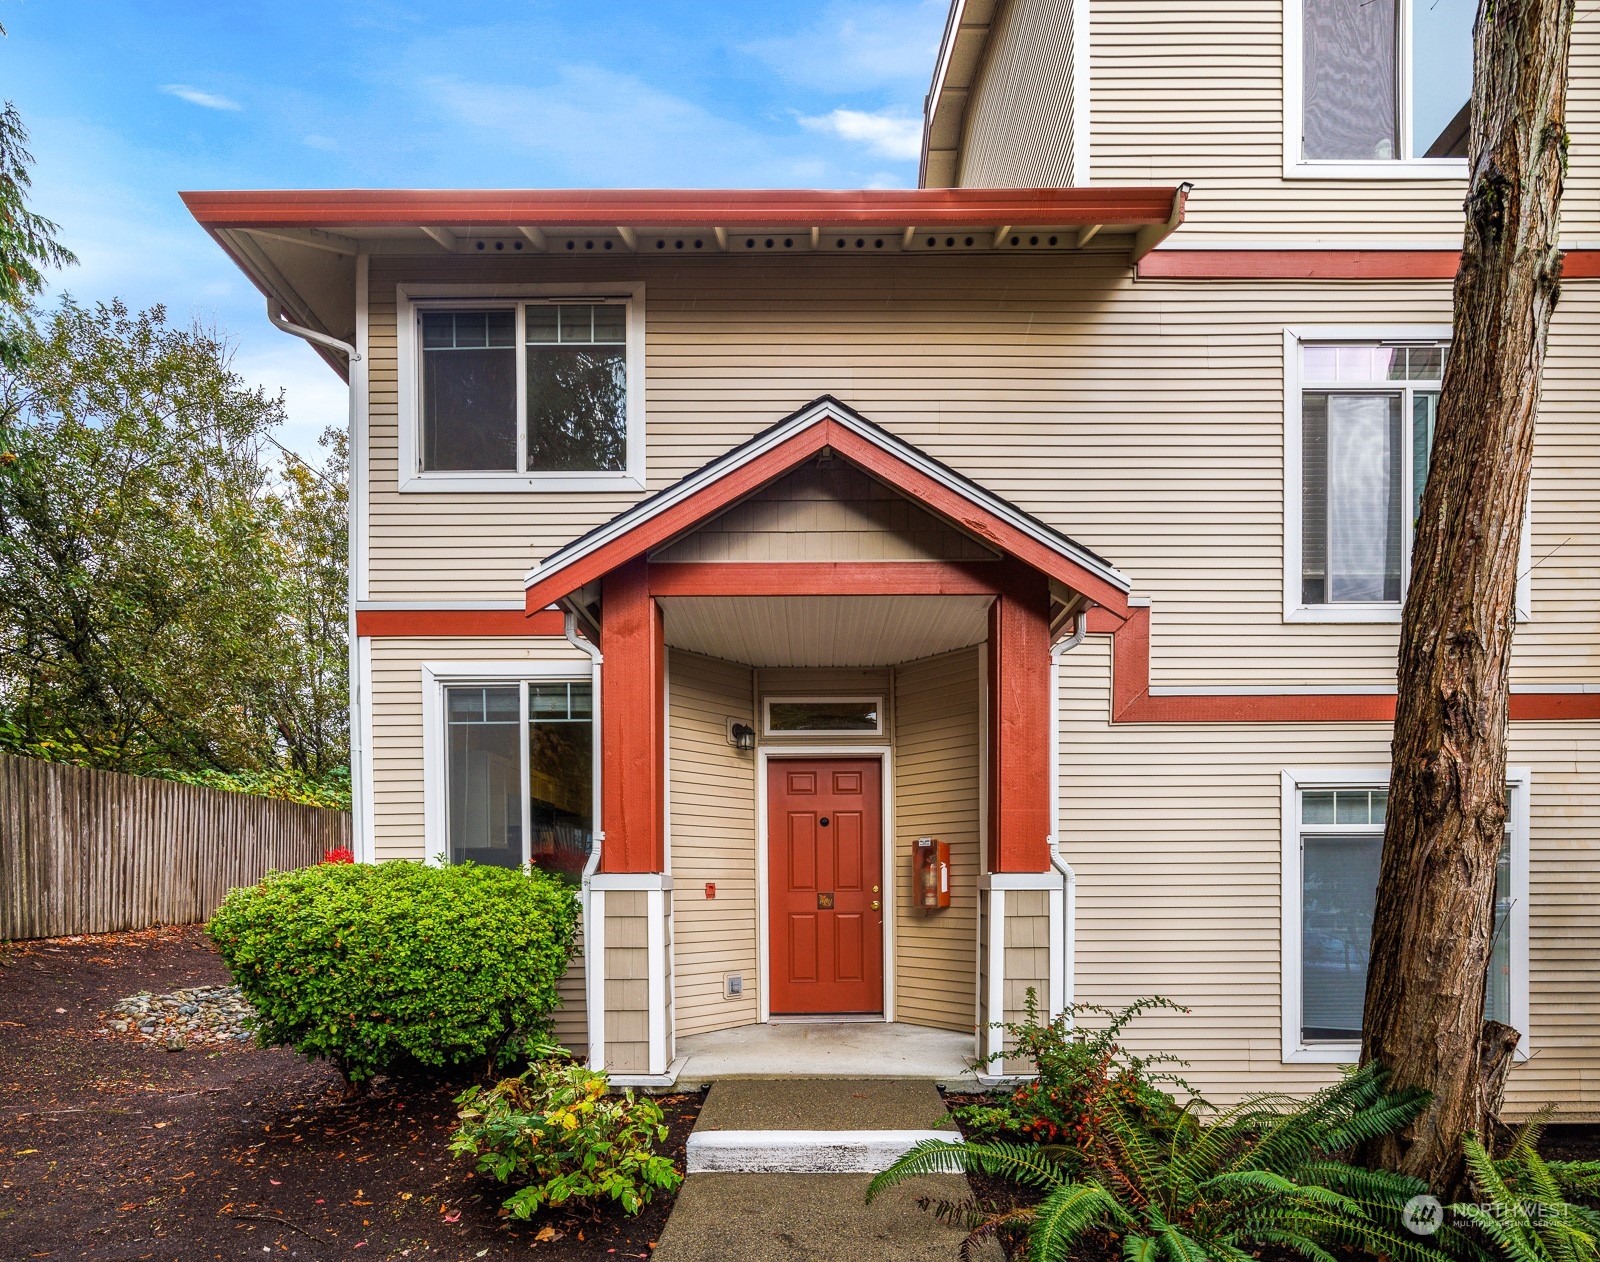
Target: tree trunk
(1447, 790)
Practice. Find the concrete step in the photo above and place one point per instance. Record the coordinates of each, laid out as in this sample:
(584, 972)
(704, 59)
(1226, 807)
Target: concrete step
(803, 1152)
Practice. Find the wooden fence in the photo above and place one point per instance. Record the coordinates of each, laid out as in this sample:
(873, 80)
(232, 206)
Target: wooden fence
(93, 852)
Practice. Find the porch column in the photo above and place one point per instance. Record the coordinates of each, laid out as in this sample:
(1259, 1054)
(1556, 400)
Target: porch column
(1019, 726)
(1021, 897)
(632, 682)
(629, 944)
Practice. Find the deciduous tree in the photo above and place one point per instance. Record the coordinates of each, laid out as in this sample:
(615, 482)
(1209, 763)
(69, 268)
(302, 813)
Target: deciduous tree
(1447, 799)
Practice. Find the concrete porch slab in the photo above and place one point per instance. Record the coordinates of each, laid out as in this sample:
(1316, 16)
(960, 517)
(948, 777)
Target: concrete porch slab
(849, 1049)
(823, 1104)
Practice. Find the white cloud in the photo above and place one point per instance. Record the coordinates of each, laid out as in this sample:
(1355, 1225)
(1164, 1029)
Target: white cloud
(854, 46)
(888, 133)
(597, 127)
(208, 100)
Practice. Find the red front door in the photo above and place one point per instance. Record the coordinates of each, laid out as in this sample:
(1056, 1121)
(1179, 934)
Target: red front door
(825, 873)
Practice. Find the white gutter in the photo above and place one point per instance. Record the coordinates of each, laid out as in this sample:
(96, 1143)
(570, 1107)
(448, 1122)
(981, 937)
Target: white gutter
(279, 320)
(1058, 861)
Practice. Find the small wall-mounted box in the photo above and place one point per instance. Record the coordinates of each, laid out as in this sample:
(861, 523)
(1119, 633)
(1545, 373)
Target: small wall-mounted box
(931, 875)
(732, 985)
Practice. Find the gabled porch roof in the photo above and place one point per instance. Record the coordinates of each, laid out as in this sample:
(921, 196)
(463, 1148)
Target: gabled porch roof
(825, 423)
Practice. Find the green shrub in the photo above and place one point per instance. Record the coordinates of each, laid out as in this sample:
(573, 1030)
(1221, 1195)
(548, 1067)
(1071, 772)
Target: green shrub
(1524, 1213)
(1210, 1187)
(399, 966)
(1080, 1068)
(555, 1132)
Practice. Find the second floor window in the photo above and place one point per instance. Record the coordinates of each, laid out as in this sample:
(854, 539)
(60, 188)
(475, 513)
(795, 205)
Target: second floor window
(1367, 414)
(1385, 79)
(531, 387)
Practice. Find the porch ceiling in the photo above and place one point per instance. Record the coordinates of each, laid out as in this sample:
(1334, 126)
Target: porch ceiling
(824, 630)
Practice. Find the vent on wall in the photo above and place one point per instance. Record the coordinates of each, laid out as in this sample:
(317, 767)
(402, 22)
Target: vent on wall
(732, 985)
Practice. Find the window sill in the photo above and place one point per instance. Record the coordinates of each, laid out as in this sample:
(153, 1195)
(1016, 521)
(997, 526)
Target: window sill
(1377, 611)
(1350, 1053)
(516, 483)
(1439, 169)
(1323, 1054)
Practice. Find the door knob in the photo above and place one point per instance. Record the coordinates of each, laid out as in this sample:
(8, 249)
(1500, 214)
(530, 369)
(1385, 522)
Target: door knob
(874, 904)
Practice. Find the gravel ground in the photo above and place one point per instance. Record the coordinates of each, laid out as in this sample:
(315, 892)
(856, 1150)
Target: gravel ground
(215, 1015)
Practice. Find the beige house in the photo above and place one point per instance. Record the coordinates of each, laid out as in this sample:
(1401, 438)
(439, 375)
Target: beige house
(887, 603)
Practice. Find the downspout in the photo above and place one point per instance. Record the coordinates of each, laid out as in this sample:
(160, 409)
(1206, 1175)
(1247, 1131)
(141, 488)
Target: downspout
(279, 320)
(361, 829)
(569, 623)
(1057, 860)
(593, 935)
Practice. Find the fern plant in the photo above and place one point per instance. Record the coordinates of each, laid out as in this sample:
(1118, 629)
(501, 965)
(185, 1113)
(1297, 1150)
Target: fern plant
(1209, 1188)
(1525, 1213)
(1078, 1066)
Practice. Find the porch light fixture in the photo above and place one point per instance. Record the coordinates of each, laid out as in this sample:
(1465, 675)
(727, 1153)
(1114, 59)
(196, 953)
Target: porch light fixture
(743, 736)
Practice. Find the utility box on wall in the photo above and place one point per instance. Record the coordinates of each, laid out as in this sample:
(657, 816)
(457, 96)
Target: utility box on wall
(931, 878)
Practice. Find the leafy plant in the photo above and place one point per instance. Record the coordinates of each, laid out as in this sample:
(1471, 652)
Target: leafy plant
(174, 600)
(1211, 1186)
(556, 1132)
(399, 966)
(1525, 1213)
(1080, 1068)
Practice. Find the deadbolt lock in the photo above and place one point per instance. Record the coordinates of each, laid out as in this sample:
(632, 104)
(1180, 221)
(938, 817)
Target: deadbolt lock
(874, 889)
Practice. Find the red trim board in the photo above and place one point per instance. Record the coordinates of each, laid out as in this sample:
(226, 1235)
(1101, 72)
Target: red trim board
(1314, 264)
(457, 622)
(1131, 701)
(827, 578)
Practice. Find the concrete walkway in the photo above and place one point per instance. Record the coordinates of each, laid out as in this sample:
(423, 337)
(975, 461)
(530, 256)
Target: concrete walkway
(810, 1217)
(857, 1049)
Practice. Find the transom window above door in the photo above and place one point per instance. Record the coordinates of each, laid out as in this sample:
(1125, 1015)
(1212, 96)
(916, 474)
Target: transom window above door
(1384, 86)
(522, 394)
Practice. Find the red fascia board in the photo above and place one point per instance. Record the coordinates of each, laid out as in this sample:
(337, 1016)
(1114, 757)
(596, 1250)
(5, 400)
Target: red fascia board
(1181, 264)
(827, 578)
(737, 483)
(457, 622)
(928, 208)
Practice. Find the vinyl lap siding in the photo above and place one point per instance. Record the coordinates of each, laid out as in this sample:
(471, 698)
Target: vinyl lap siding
(936, 795)
(1175, 836)
(1143, 418)
(1195, 92)
(627, 982)
(836, 513)
(713, 826)
(1018, 125)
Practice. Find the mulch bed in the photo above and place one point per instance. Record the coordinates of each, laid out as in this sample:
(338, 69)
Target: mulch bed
(111, 1148)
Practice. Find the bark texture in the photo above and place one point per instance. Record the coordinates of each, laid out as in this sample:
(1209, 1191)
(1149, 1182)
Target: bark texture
(1447, 800)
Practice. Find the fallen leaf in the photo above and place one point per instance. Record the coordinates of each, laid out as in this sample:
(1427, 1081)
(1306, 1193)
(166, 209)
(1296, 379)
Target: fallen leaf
(546, 1233)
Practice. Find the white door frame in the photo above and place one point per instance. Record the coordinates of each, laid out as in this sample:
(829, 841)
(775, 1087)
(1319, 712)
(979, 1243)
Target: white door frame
(764, 755)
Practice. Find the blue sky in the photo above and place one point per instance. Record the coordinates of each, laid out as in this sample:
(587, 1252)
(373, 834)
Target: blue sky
(130, 102)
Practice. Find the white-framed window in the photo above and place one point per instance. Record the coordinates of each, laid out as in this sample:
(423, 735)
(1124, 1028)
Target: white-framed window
(510, 763)
(812, 716)
(1360, 406)
(521, 388)
(1377, 89)
(1332, 846)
